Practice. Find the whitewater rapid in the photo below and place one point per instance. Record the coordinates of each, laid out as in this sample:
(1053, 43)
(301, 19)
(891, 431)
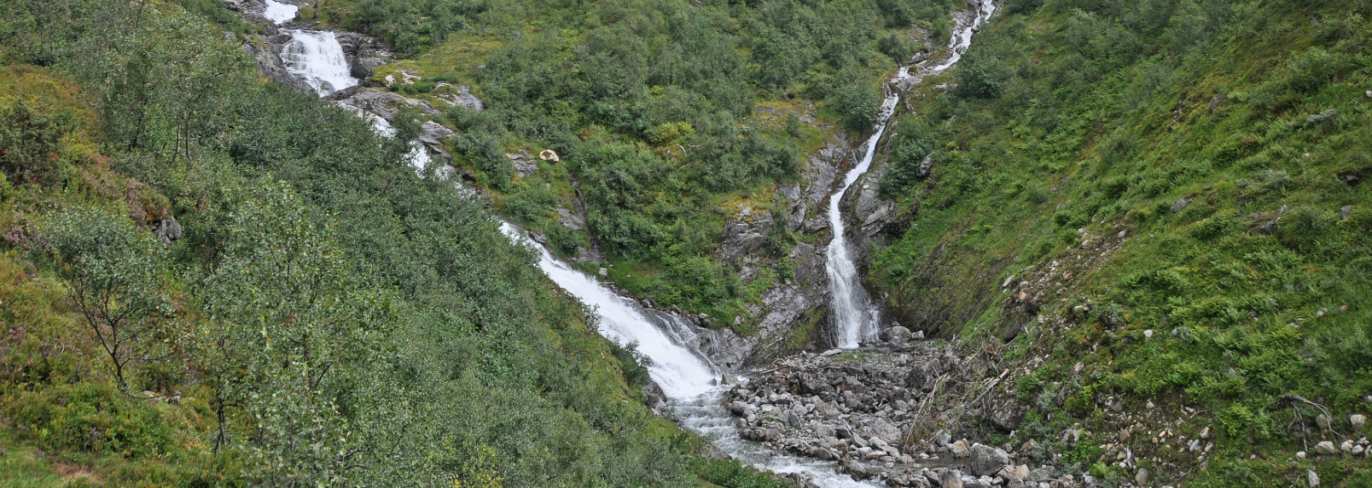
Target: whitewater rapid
(280, 13)
(688, 379)
(317, 58)
(855, 318)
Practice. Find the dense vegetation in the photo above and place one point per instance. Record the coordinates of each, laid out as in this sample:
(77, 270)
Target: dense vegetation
(670, 115)
(313, 314)
(1223, 147)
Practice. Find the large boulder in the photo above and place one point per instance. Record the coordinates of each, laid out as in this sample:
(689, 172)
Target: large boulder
(987, 460)
(459, 96)
(384, 103)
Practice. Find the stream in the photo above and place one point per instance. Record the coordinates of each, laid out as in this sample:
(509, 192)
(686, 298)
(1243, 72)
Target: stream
(855, 318)
(692, 383)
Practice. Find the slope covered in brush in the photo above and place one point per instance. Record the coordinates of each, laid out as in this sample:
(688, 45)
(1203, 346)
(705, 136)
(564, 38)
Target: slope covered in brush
(1159, 203)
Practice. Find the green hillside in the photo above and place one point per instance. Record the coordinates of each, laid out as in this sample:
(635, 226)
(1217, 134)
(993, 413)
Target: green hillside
(1155, 203)
(671, 115)
(316, 316)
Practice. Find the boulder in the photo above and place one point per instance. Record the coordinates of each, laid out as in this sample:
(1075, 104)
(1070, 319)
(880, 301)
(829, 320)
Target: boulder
(960, 448)
(168, 230)
(384, 103)
(460, 96)
(988, 460)
(898, 335)
(524, 164)
(950, 479)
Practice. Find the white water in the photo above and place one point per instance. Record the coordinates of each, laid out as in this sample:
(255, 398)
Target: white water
(678, 370)
(280, 13)
(418, 156)
(690, 382)
(855, 318)
(317, 58)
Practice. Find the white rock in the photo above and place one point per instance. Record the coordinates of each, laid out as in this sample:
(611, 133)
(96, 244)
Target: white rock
(1311, 478)
(1326, 447)
(1358, 421)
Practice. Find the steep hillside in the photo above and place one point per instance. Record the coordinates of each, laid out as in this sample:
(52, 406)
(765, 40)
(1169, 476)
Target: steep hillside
(680, 130)
(209, 279)
(1152, 219)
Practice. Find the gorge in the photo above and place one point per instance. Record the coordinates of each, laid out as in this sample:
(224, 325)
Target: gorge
(771, 244)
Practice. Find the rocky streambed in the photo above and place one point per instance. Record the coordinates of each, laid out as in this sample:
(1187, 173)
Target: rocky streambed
(869, 410)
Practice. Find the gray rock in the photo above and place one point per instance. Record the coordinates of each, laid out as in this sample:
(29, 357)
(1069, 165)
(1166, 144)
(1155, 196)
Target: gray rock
(950, 479)
(1322, 117)
(1358, 421)
(885, 431)
(1327, 448)
(960, 448)
(1180, 204)
(570, 220)
(364, 53)
(460, 96)
(1014, 473)
(1141, 477)
(1311, 478)
(434, 134)
(898, 336)
(168, 230)
(523, 163)
(384, 103)
(1345, 212)
(988, 460)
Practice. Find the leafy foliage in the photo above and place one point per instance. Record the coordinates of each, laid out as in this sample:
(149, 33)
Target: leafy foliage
(1206, 140)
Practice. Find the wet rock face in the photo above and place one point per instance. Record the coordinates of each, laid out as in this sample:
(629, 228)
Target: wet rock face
(383, 103)
(364, 53)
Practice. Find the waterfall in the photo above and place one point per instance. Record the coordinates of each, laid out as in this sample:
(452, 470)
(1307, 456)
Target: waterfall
(418, 156)
(279, 13)
(855, 317)
(317, 58)
(679, 371)
(687, 378)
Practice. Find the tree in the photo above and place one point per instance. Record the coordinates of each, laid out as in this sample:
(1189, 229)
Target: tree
(114, 270)
(289, 324)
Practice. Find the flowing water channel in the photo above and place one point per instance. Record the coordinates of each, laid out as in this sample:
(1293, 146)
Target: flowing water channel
(688, 379)
(855, 318)
(691, 382)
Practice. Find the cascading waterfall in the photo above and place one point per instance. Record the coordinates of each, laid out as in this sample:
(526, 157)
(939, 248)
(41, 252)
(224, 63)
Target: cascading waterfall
(679, 371)
(690, 382)
(280, 13)
(317, 58)
(855, 318)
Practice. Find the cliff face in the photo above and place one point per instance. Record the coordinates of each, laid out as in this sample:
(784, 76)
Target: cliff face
(1151, 218)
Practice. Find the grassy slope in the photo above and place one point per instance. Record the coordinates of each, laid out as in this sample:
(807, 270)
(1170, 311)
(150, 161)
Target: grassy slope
(1255, 287)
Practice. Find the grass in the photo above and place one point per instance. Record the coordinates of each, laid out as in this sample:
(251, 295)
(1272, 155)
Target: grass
(1222, 164)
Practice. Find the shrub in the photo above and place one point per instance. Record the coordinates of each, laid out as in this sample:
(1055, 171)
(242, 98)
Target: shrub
(856, 105)
(29, 143)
